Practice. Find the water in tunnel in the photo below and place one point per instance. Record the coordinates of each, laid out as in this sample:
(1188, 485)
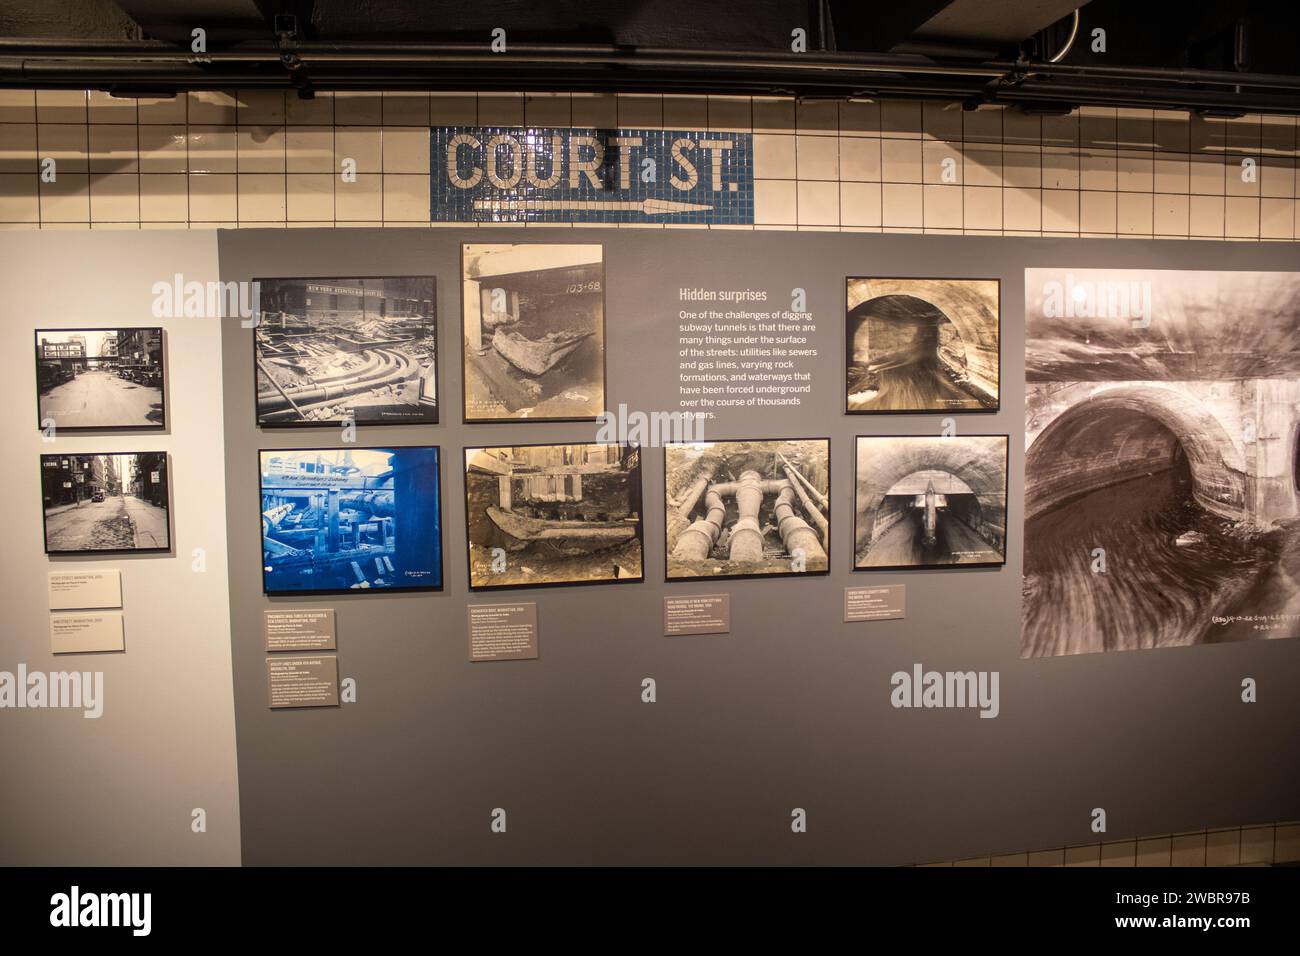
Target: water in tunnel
(1161, 498)
(906, 354)
(1121, 551)
(921, 345)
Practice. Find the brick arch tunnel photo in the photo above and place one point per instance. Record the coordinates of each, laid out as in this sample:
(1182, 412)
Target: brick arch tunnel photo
(924, 501)
(1152, 511)
(922, 345)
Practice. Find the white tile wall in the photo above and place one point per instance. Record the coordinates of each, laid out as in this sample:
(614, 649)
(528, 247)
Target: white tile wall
(263, 158)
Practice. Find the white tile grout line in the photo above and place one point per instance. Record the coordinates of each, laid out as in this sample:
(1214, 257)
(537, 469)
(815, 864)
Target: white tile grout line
(1222, 230)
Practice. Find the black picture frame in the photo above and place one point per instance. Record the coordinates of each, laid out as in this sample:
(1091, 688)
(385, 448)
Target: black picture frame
(466, 418)
(42, 376)
(949, 565)
(636, 483)
(309, 592)
(165, 459)
(765, 575)
(938, 409)
(336, 422)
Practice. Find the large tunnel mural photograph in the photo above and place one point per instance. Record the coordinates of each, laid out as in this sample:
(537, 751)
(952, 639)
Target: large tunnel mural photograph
(922, 345)
(1161, 467)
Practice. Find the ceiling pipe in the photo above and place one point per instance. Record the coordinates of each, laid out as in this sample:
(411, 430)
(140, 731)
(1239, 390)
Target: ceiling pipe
(1060, 54)
(583, 67)
(429, 55)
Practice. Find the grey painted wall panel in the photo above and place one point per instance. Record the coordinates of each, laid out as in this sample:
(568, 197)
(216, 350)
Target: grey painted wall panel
(791, 709)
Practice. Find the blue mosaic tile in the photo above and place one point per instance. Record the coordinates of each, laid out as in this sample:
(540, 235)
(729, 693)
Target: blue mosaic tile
(521, 174)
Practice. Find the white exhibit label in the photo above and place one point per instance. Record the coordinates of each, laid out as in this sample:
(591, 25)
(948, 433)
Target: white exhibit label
(74, 590)
(87, 633)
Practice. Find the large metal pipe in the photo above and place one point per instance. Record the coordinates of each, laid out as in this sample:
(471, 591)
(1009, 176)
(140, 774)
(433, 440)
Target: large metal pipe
(332, 520)
(151, 67)
(812, 510)
(931, 513)
(371, 502)
(697, 541)
(746, 537)
(679, 517)
(276, 404)
(769, 486)
(431, 55)
(793, 473)
(687, 502)
(796, 534)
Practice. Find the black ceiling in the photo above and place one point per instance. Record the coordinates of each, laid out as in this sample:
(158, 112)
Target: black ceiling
(1224, 57)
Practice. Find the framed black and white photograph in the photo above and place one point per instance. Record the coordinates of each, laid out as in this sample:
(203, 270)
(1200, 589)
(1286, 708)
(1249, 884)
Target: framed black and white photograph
(330, 350)
(923, 501)
(533, 331)
(922, 345)
(110, 503)
(546, 515)
(744, 509)
(100, 379)
(351, 519)
(1161, 464)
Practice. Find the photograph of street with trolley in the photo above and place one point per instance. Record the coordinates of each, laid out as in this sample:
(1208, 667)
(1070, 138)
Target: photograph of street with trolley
(553, 514)
(332, 350)
(351, 519)
(100, 378)
(111, 503)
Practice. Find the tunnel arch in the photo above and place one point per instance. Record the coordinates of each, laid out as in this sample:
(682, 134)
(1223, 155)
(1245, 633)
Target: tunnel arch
(970, 307)
(1120, 433)
(980, 461)
(899, 329)
(958, 301)
(964, 488)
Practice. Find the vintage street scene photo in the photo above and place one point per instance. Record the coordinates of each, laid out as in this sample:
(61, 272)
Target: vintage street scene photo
(923, 501)
(553, 514)
(105, 502)
(1161, 464)
(332, 350)
(922, 345)
(351, 519)
(739, 509)
(534, 331)
(100, 378)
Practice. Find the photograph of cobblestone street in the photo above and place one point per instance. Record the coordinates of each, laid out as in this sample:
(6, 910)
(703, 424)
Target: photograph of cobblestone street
(105, 502)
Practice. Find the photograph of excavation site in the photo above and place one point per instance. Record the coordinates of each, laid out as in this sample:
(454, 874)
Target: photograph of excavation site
(924, 501)
(534, 331)
(334, 350)
(922, 345)
(741, 509)
(338, 520)
(548, 515)
(1161, 463)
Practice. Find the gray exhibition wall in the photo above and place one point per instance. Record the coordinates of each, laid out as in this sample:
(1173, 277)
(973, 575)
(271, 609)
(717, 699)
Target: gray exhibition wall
(119, 790)
(792, 708)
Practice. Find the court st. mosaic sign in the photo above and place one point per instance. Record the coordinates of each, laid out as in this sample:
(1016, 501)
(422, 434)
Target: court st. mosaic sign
(542, 174)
